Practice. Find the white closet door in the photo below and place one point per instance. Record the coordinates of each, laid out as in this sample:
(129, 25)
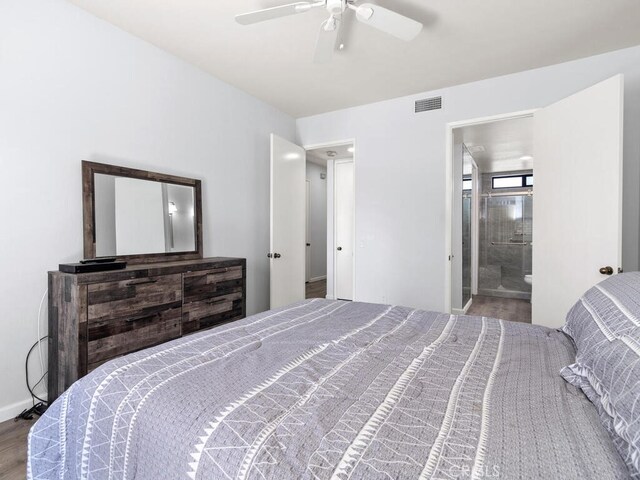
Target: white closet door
(577, 227)
(288, 223)
(344, 225)
(307, 275)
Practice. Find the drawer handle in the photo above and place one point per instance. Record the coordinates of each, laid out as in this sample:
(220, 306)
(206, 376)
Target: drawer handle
(135, 319)
(143, 282)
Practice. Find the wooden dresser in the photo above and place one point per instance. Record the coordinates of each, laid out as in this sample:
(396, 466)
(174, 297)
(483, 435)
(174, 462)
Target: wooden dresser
(95, 317)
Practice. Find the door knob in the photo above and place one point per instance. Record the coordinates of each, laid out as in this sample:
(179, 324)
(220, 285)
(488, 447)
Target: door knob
(606, 271)
(308, 244)
(269, 255)
(339, 249)
(276, 255)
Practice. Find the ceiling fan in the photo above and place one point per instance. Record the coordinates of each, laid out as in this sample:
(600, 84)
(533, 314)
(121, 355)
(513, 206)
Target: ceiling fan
(383, 19)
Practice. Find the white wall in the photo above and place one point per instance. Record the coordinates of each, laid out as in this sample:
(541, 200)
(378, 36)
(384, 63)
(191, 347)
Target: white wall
(317, 219)
(400, 172)
(73, 87)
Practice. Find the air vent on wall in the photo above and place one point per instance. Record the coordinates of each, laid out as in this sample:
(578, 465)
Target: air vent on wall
(433, 103)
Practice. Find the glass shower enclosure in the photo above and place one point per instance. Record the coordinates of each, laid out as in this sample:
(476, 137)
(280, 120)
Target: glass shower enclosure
(466, 246)
(505, 247)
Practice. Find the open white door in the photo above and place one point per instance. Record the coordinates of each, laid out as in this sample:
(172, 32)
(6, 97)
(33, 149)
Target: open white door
(577, 227)
(288, 232)
(344, 229)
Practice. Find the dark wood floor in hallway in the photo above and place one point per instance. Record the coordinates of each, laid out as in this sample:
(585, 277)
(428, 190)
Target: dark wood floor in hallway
(317, 289)
(512, 309)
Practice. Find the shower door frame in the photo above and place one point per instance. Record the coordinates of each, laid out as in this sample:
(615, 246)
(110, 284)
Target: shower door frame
(476, 180)
(449, 191)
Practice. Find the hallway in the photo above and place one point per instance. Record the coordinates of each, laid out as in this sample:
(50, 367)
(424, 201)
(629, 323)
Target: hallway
(316, 289)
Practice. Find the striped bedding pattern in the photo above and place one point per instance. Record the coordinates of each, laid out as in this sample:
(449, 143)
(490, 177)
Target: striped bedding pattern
(326, 389)
(605, 326)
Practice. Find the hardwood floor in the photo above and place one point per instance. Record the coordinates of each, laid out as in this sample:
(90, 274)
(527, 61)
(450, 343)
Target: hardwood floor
(317, 289)
(13, 449)
(511, 309)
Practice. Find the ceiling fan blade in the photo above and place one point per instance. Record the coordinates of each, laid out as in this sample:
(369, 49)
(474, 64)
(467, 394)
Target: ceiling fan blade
(388, 21)
(327, 38)
(275, 12)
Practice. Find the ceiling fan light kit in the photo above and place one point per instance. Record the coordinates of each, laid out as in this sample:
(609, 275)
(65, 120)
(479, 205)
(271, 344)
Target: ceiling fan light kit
(375, 16)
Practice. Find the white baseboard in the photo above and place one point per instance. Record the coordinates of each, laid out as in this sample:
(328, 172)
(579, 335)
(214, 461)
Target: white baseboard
(317, 279)
(462, 311)
(11, 411)
(329, 297)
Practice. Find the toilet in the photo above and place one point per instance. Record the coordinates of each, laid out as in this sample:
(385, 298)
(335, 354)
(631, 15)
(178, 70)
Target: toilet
(528, 279)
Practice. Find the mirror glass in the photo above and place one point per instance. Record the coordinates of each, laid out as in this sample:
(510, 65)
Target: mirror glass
(134, 216)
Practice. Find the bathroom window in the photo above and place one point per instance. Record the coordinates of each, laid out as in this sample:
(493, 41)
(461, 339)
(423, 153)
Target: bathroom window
(512, 181)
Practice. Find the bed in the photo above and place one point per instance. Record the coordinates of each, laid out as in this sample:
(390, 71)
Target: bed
(331, 389)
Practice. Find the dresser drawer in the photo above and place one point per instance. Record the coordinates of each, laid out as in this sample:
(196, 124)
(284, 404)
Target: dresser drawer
(111, 337)
(209, 313)
(98, 316)
(132, 298)
(205, 284)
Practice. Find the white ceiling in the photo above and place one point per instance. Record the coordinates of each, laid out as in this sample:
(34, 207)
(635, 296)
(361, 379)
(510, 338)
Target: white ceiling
(320, 156)
(501, 146)
(462, 41)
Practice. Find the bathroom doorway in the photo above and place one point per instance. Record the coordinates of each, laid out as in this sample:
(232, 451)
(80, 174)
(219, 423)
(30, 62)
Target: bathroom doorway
(493, 167)
(577, 224)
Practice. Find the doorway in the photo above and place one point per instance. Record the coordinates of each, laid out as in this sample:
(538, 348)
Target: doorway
(330, 220)
(316, 246)
(575, 231)
(493, 218)
(291, 230)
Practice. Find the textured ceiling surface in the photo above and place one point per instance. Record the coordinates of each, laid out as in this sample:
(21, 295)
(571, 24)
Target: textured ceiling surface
(462, 41)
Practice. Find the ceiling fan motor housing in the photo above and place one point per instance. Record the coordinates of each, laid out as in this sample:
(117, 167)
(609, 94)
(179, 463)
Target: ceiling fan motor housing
(336, 7)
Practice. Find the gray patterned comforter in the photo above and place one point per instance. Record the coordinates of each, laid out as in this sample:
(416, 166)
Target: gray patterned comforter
(327, 389)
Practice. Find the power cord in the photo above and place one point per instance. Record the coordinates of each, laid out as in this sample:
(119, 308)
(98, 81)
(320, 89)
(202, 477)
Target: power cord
(26, 370)
(40, 407)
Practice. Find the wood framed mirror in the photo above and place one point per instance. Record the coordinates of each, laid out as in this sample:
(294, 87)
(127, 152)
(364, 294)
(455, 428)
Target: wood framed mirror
(140, 216)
